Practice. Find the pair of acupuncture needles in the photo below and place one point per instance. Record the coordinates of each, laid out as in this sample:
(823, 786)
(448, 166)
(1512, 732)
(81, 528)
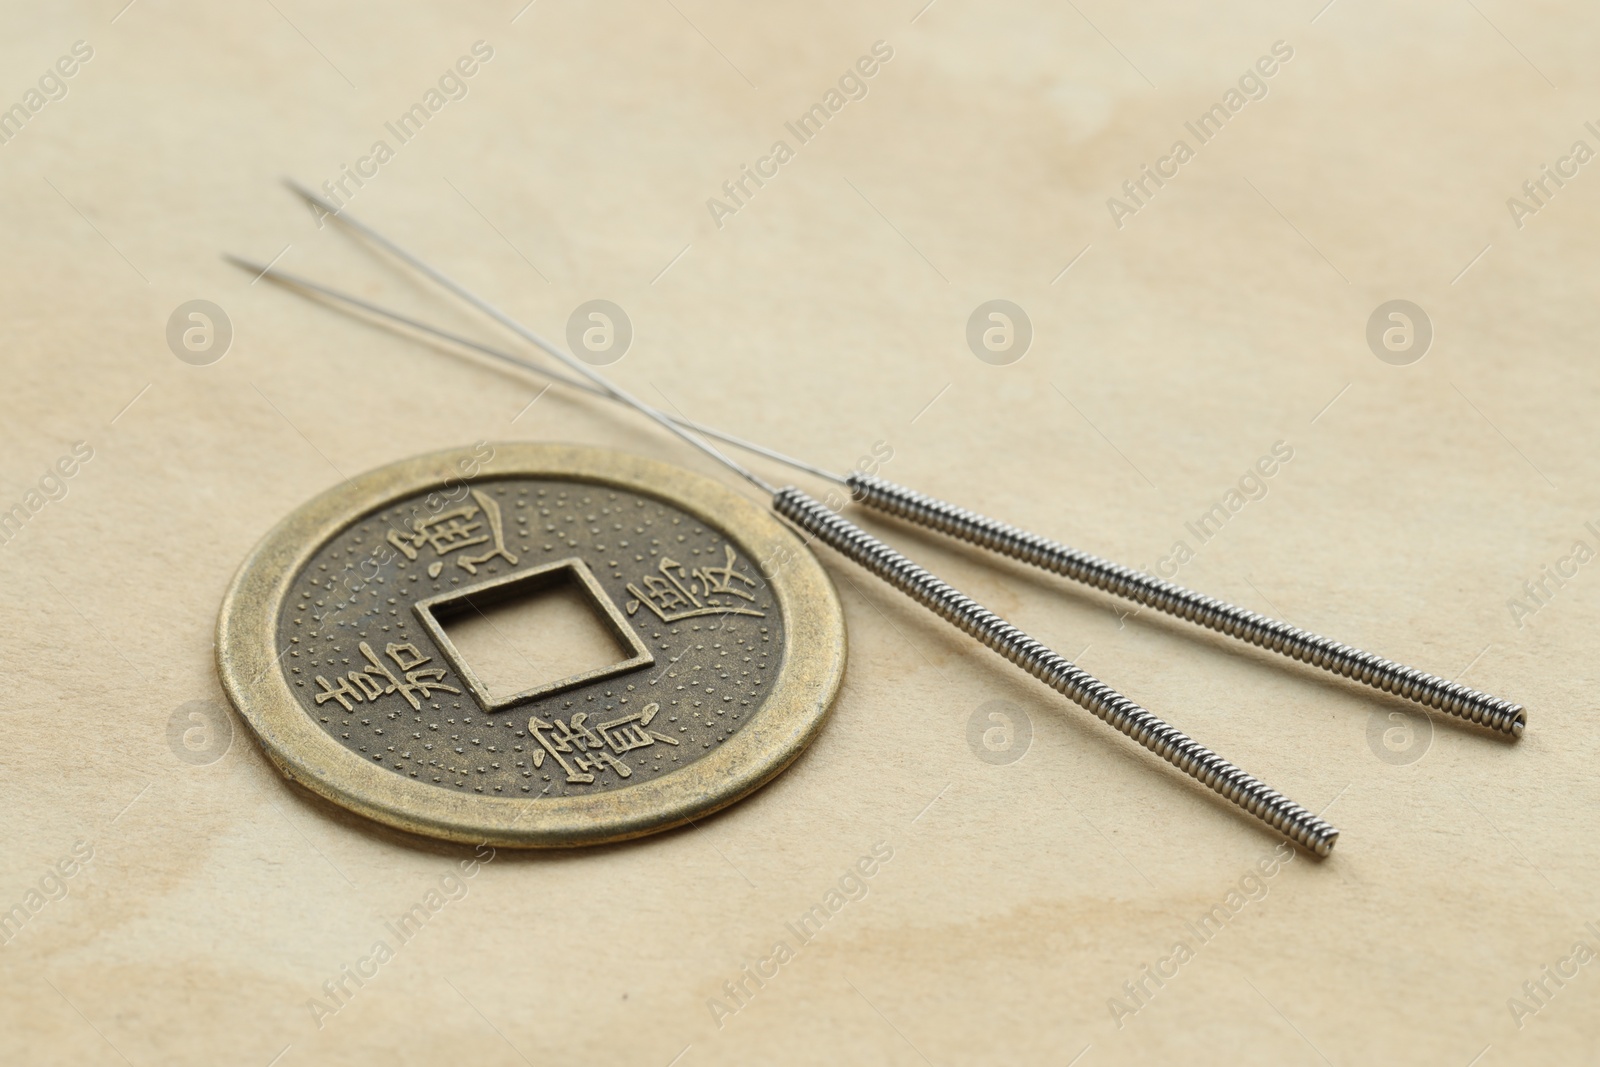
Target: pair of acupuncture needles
(822, 523)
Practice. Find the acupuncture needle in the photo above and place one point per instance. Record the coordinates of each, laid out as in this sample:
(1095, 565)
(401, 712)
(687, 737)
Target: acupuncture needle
(810, 515)
(952, 520)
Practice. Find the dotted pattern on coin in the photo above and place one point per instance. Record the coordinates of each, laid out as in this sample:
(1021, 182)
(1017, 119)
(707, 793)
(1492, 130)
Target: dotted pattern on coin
(366, 669)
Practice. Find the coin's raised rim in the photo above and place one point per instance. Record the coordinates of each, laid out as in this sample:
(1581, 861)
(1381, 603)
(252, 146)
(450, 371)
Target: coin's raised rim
(801, 695)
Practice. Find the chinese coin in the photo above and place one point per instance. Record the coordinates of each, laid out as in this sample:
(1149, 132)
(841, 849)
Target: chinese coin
(366, 642)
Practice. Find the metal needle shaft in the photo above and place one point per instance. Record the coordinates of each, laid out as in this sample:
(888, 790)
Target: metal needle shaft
(446, 282)
(296, 281)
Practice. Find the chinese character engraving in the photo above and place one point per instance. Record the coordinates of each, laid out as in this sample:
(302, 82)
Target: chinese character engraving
(675, 593)
(453, 530)
(631, 731)
(414, 682)
(573, 738)
(588, 748)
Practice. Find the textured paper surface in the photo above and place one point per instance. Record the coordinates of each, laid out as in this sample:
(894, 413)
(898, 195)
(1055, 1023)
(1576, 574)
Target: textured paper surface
(826, 313)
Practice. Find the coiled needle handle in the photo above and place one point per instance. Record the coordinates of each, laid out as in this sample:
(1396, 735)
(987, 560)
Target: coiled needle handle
(1277, 636)
(1111, 707)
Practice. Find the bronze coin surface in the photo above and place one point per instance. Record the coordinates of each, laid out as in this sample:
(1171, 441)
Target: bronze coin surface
(353, 639)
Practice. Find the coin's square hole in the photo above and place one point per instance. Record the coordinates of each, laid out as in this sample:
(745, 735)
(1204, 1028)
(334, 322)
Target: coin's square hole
(533, 633)
(534, 639)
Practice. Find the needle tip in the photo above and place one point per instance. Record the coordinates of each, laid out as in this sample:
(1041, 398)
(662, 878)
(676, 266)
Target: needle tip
(298, 189)
(313, 198)
(250, 266)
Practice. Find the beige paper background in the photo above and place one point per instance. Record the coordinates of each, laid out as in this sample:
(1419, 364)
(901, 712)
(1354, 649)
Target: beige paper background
(827, 314)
